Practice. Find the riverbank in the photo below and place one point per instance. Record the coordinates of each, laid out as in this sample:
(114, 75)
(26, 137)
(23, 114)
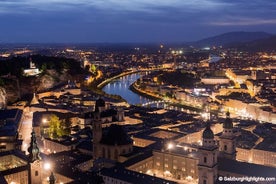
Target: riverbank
(179, 105)
(139, 92)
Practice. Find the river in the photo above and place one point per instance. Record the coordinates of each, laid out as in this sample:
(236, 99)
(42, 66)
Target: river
(121, 87)
(215, 59)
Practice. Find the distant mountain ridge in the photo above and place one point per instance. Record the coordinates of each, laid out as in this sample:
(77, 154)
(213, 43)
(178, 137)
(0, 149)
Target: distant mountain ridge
(266, 44)
(231, 38)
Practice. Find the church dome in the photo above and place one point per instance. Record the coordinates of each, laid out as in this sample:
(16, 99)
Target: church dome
(228, 124)
(116, 136)
(208, 133)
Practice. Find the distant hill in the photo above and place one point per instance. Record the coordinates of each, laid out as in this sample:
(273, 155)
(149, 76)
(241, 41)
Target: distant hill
(232, 38)
(266, 44)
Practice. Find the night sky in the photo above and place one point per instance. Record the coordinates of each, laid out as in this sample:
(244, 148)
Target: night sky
(93, 21)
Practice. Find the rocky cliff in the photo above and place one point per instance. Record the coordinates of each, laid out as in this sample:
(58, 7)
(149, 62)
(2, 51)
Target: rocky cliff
(3, 100)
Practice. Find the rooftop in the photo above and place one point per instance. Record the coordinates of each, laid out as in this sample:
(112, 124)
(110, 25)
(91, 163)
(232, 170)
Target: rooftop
(244, 168)
(133, 177)
(116, 136)
(11, 160)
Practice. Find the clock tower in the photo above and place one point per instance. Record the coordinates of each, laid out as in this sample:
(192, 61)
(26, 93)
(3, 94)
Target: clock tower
(35, 164)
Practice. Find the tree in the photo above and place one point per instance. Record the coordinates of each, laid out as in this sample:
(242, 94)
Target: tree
(93, 68)
(65, 126)
(169, 94)
(44, 67)
(2, 83)
(55, 128)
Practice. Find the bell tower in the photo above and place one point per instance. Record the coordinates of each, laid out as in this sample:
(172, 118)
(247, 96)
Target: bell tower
(208, 153)
(35, 164)
(97, 135)
(227, 143)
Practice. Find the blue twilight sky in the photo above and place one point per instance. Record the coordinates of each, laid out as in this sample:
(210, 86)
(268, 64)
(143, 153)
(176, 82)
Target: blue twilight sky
(131, 20)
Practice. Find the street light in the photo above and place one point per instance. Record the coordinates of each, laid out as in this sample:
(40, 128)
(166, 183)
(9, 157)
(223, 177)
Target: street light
(44, 120)
(47, 166)
(170, 146)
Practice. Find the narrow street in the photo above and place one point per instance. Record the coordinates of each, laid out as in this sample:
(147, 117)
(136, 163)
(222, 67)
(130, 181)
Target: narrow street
(26, 129)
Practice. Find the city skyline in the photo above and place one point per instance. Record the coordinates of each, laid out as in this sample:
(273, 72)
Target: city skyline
(87, 21)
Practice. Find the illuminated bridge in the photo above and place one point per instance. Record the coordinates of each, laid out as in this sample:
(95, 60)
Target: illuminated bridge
(157, 103)
(165, 104)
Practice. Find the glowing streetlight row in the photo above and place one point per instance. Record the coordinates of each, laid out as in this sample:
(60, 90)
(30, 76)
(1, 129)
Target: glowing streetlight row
(177, 51)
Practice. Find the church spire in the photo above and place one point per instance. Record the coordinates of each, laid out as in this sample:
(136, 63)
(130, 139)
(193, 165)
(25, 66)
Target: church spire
(34, 100)
(228, 124)
(33, 149)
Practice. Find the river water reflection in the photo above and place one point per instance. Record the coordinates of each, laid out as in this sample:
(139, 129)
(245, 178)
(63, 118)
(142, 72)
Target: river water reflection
(121, 87)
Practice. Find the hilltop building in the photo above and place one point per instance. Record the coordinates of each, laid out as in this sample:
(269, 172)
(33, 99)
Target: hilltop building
(32, 70)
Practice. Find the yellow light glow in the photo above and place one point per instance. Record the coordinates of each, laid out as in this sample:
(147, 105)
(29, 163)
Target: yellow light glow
(170, 146)
(47, 166)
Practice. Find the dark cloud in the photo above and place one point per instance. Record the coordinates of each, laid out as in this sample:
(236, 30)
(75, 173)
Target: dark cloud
(127, 21)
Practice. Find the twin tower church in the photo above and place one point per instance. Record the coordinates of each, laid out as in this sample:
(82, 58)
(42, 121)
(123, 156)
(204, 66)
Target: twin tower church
(211, 150)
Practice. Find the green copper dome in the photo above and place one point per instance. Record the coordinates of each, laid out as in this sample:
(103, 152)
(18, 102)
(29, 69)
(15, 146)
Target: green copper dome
(228, 124)
(33, 149)
(208, 133)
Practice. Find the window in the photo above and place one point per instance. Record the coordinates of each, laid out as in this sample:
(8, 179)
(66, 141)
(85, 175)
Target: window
(205, 159)
(225, 147)
(36, 173)
(204, 182)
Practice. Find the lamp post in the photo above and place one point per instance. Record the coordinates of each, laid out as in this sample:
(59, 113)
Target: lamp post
(48, 167)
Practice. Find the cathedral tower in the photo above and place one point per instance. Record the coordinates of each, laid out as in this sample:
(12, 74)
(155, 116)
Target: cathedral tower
(227, 143)
(97, 134)
(208, 153)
